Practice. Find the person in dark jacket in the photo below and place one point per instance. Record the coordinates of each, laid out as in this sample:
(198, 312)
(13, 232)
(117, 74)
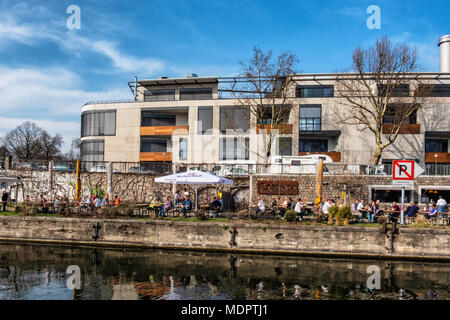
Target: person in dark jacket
(5, 198)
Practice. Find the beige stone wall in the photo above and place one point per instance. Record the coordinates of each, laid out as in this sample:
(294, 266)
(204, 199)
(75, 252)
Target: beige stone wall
(232, 236)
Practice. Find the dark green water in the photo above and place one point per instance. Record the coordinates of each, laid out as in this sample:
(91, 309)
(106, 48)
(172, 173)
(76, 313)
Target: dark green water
(39, 272)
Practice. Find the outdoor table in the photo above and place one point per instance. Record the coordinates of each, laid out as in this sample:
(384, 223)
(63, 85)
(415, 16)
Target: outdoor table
(204, 208)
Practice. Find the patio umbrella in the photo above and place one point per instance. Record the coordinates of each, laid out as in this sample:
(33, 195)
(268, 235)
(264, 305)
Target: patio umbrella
(194, 177)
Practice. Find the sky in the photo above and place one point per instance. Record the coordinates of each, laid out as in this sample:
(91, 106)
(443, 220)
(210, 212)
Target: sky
(48, 71)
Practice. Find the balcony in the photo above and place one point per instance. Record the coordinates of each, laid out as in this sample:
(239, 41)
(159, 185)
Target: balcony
(441, 157)
(411, 128)
(156, 156)
(284, 128)
(334, 155)
(164, 130)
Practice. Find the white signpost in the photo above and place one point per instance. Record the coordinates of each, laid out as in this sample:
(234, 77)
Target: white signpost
(403, 174)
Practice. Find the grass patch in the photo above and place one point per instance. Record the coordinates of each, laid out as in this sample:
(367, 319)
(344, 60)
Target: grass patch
(9, 213)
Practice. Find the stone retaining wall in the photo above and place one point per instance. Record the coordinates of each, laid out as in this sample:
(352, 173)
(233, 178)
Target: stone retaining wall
(232, 236)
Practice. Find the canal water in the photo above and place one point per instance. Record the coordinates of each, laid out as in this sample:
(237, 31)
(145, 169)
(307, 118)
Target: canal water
(30, 271)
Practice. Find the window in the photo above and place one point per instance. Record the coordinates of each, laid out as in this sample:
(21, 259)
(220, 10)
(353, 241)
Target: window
(315, 91)
(196, 94)
(435, 145)
(313, 145)
(98, 123)
(183, 149)
(400, 90)
(391, 195)
(285, 146)
(434, 90)
(433, 193)
(234, 148)
(92, 151)
(234, 118)
(159, 95)
(205, 120)
(310, 117)
(153, 145)
(394, 114)
(150, 119)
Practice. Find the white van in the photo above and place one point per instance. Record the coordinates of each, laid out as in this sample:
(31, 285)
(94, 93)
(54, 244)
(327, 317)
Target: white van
(298, 164)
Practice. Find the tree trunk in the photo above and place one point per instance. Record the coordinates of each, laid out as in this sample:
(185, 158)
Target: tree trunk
(376, 155)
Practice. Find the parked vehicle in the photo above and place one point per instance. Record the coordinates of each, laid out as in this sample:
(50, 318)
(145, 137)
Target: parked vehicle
(141, 170)
(63, 167)
(300, 164)
(102, 168)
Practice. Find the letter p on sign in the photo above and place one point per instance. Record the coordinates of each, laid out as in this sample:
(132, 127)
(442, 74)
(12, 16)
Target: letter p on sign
(403, 170)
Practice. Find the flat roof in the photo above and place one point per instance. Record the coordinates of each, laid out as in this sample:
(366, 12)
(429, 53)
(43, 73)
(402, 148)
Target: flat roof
(177, 81)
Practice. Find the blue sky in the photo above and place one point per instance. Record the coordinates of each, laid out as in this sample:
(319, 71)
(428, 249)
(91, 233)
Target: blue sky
(48, 71)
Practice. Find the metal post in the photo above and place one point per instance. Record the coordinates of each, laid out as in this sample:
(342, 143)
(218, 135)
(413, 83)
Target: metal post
(402, 211)
(78, 183)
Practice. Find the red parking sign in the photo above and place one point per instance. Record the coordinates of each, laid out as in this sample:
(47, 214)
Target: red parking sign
(403, 170)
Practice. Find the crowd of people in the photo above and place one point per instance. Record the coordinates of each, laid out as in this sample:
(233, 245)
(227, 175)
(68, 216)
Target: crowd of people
(279, 206)
(359, 208)
(183, 204)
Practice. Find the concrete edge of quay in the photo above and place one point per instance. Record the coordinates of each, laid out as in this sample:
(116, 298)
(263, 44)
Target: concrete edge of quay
(367, 243)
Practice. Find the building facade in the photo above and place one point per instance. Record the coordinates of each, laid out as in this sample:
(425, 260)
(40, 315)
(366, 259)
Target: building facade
(190, 121)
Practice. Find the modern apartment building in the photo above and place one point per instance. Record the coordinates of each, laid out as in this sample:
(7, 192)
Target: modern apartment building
(192, 121)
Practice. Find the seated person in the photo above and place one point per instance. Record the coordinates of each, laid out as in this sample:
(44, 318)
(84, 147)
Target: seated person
(186, 205)
(154, 205)
(215, 204)
(412, 210)
(167, 205)
(261, 206)
(433, 213)
(395, 207)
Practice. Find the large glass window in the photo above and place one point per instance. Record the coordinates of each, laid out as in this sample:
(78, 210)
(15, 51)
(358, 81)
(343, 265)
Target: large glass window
(205, 120)
(394, 114)
(400, 90)
(196, 94)
(434, 90)
(159, 95)
(391, 195)
(285, 146)
(98, 123)
(436, 145)
(316, 91)
(313, 145)
(92, 151)
(234, 148)
(153, 145)
(234, 118)
(183, 149)
(150, 119)
(310, 117)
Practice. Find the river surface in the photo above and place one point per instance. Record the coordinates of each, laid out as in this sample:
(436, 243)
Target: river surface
(29, 271)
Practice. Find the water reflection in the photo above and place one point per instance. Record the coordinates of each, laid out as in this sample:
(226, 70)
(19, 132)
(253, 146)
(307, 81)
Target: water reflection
(39, 272)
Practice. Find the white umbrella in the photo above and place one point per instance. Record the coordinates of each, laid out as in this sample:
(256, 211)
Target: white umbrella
(194, 177)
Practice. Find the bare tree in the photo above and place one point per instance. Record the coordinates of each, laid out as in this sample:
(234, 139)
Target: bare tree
(265, 89)
(50, 145)
(380, 94)
(23, 141)
(74, 152)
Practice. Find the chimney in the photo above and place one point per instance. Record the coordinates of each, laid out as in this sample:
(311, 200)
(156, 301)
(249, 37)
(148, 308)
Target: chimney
(444, 44)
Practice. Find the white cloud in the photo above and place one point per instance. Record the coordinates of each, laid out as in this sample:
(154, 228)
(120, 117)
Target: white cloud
(45, 95)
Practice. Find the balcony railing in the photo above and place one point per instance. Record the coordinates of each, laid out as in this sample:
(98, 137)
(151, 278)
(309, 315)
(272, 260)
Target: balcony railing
(159, 163)
(164, 130)
(437, 157)
(283, 128)
(156, 156)
(411, 128)
(334, 155)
